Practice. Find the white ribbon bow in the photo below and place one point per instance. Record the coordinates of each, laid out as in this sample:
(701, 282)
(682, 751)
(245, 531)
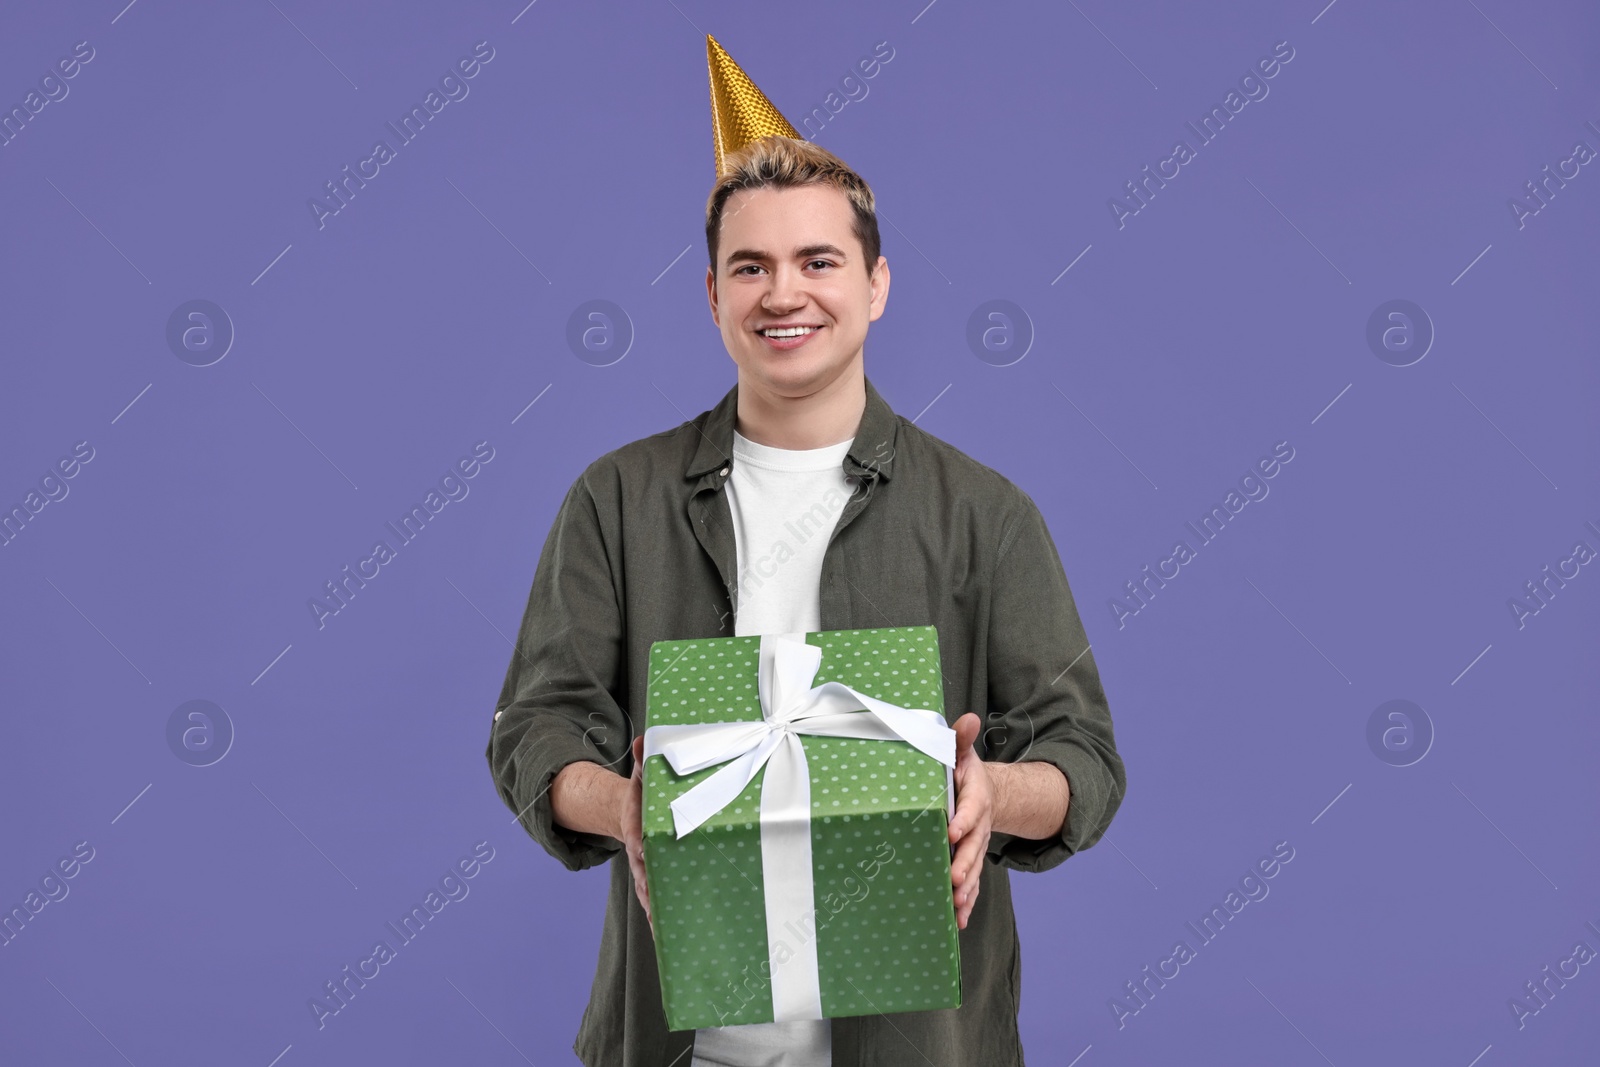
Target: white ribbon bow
(790, 706)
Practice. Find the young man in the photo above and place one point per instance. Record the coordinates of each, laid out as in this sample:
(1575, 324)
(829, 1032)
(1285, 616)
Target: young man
(801, 502)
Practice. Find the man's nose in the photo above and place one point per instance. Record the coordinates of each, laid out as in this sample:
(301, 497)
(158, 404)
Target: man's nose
(785, 290)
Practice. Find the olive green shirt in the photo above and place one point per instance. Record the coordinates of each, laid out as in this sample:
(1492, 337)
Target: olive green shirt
(643, 550)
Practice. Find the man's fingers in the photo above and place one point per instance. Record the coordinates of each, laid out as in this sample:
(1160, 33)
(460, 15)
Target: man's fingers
(966, 728)
(971, 903)
(966, 895)
(634, 845)
(970, 857)
(963, 865)
(965, 816)
(963, 869)
(964, 912)
(641, 886)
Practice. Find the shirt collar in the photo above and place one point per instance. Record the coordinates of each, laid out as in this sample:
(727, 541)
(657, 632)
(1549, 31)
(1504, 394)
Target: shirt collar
(871, 452)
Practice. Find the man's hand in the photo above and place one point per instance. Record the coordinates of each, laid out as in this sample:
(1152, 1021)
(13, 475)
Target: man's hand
(974, 818)
(630, 829)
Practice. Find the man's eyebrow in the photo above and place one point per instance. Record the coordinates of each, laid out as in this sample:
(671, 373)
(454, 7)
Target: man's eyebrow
(800, 253)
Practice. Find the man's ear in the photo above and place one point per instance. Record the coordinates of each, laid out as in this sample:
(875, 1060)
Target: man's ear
(879, 280)
(711, 294)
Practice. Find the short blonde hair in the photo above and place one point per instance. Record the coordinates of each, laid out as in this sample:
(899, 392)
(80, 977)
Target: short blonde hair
(784, 162)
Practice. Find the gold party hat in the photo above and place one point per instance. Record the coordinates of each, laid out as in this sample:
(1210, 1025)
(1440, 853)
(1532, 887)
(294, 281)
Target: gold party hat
(740, 113)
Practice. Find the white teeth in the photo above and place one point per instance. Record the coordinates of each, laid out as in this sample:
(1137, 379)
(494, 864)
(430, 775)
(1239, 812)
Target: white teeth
(793, 331)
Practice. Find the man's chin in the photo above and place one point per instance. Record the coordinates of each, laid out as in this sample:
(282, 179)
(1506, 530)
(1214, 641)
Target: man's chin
(789, 375)
(795, 374)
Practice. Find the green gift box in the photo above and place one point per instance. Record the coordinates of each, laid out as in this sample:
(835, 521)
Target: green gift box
(808, 874)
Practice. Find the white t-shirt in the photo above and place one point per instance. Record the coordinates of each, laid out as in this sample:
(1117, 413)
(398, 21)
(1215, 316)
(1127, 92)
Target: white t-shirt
(785, 504)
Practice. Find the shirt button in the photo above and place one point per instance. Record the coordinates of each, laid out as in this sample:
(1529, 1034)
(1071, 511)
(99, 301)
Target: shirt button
(723, 472)
(497, 715)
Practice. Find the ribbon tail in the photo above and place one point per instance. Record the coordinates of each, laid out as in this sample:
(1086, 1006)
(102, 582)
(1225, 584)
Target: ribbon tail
(790, 883)
(705, 799)
(691, 747)
(928, 734)
(924, 730)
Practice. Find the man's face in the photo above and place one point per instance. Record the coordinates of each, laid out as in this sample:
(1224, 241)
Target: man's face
(789, 257)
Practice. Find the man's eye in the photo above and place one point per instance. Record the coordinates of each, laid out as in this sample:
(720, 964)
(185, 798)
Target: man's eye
(814, 262)
(747, 266)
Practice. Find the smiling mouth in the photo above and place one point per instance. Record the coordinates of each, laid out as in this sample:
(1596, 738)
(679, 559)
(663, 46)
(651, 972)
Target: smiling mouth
(788, 338)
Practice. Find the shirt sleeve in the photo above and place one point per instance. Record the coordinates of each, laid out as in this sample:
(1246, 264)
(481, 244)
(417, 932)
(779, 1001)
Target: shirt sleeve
(1045, 698)
(559, 704)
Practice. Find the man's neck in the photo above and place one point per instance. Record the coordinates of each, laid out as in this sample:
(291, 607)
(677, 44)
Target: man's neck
(830, 415)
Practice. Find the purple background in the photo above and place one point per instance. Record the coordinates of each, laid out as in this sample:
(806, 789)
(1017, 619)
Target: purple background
(1229, 314)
